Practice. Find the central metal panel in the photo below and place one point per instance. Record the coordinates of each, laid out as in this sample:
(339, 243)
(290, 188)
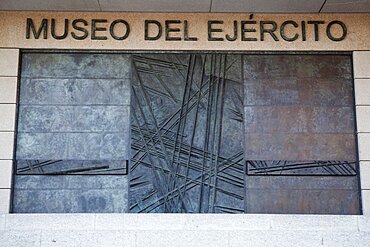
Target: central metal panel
(187, 142)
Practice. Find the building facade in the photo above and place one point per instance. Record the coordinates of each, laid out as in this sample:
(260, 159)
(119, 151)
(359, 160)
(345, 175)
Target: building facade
(231, 129)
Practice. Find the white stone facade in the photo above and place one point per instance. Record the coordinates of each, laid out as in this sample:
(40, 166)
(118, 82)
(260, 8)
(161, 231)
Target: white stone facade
(136, 230)
(361, 67)
(8, 92)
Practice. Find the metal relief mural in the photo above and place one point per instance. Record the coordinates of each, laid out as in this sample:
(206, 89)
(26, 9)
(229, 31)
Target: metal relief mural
(186, 133)
(187, 147)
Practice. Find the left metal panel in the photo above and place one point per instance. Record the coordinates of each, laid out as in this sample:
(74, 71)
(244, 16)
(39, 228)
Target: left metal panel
(73, 119)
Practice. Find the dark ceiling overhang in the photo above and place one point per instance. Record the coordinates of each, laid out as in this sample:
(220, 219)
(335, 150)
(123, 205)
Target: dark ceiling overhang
(266, 6)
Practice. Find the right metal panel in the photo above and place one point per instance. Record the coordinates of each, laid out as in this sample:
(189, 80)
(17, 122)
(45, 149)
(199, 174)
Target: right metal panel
(300, 145)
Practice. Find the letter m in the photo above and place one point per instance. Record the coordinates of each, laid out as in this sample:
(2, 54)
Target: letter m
(42, 28)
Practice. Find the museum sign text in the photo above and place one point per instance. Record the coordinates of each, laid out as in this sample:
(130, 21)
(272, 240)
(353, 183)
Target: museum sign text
(179, 30)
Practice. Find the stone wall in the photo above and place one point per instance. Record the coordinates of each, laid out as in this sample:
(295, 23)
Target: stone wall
(8, 98)
(361, 66)
(136, 230)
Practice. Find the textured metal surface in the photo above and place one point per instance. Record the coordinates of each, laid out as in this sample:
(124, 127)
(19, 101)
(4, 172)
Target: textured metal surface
(302, 194)
(70, 194)
(68, 167)
(74, 117)
(335, 168)
(300, 146)
(200, 137)
(73, 114)
(299, 107)
(186, 148)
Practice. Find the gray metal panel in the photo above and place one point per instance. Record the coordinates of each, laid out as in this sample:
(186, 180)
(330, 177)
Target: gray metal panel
(90, 118)
(187, 147)
(70, 194)
(74, 118)
(92, 91)
(78, 65)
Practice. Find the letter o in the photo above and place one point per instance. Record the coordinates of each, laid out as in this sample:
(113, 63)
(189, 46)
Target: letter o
(113, 24)
(344, 31)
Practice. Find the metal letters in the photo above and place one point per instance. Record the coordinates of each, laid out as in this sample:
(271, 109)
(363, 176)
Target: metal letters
(178, 30)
